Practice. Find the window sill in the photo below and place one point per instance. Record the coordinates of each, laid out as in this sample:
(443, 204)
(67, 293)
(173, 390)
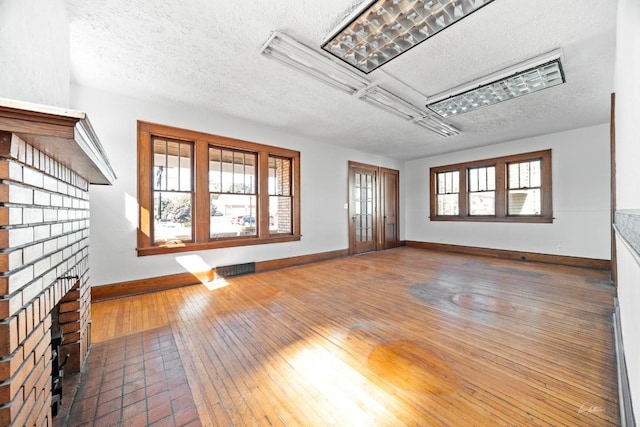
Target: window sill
(219, 244)
(520, 219)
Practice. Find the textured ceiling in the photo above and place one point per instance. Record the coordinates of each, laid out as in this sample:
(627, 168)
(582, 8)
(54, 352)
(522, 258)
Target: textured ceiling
(207, 54)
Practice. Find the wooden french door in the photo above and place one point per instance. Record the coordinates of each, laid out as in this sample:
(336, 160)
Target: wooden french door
(373, 208)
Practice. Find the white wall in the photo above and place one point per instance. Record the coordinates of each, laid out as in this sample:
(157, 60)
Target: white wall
(580, 175)
(34, 51)
(324, 190)
(627, 88)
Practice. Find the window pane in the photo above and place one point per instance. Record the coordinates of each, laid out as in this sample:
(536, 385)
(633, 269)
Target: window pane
(280, 220)
(172, 165)
(232, 171)
(280, 176)
(536, 180)
(482, 179)
(514, 175)
(232, 215)
(448, 186)
(473, 179)
(525, 202)
(172, 216)
(482, 203)
(215, 170)
(448, 204)
(448, 182)
(491, 178)
(525, 174)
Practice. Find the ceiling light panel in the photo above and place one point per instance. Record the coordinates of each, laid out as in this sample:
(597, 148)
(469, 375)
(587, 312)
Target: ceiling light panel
(289, 51)
(522, 83)
(387, 28)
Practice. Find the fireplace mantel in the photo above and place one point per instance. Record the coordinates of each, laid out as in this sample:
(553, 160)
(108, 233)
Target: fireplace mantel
(63, 134)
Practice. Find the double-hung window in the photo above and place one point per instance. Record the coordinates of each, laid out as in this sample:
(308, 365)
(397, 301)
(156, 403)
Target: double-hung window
(507, 189)
(200, 191)
(447, 193)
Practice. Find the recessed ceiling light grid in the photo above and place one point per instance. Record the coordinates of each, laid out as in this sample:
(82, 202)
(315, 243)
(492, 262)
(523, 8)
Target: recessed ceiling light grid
(387, 28)
(532, 80)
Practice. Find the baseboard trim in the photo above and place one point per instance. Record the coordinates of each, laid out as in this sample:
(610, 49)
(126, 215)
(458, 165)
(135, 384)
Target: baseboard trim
(144, 286)
(624, 392)
(162, 283)
(277, 264)
(597, 264)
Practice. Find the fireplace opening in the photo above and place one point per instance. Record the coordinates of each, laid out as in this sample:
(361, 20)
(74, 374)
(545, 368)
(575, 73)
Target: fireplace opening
(58, 360)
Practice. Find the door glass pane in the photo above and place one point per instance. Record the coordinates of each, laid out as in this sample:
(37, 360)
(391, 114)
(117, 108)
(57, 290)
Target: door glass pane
(363, 207)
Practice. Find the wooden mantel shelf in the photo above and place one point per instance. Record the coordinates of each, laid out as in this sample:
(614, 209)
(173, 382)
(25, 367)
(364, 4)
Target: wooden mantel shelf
(65, 135)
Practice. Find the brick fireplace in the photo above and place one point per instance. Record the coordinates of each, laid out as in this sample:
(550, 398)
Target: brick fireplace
(48, 159)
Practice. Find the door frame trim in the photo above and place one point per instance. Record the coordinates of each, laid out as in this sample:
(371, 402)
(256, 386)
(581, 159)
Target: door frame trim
(378, 211)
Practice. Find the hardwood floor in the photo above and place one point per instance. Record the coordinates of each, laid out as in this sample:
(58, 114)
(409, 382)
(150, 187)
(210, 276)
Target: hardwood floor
(400, 337)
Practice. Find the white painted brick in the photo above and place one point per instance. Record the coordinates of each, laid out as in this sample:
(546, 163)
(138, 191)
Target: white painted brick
(50, 183)
(56, 229)
(15, 216)
(20, 195)
(56, 258)
(20, 279)
(56, 200)
(33, 290)
(15, 171)
(50, 246)
(20, 236)
(33, 252)
(42, 198)
(42, 266)
(32, 215)
(42, 232)
(50, 215)
(15, 259)
(33, 177)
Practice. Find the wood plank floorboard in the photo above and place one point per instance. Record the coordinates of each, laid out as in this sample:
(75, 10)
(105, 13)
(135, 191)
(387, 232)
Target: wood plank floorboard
(399, 337)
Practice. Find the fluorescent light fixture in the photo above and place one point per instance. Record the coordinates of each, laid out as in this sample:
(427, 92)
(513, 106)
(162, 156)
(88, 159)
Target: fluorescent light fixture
(392, 103)
(384, 29)
(437, 125)
(386, 100)
(534, 75)
(285, 49)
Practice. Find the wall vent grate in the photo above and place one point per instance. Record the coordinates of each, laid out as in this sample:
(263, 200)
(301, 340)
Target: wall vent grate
(236, 270)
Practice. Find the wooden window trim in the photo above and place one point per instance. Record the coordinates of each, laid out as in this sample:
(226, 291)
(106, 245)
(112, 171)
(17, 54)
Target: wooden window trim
(501, 189)
(200, 210)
